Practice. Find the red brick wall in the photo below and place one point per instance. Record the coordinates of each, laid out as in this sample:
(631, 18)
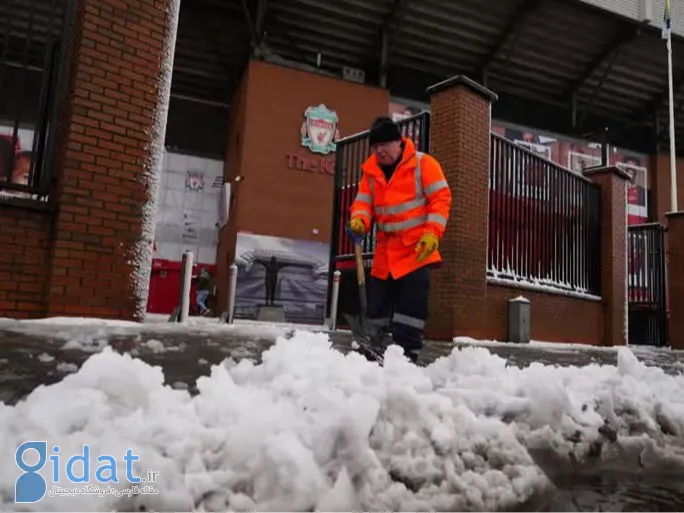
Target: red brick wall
(554, 318)
(24, 260)
(86, 256)
(225, 252)
(459, 140)
(274, 199)
(108, 147)
(462, 303)
(266, 118)
(613, 184)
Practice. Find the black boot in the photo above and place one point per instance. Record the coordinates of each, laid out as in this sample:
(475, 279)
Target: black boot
(381, 341)
(412, 356)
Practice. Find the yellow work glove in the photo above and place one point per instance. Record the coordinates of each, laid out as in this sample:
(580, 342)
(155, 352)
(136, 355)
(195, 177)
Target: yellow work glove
(357, 227)
(426, 246)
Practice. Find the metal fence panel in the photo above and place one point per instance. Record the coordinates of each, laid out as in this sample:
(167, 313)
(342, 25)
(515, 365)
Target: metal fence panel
(647, 306)
(544, 223)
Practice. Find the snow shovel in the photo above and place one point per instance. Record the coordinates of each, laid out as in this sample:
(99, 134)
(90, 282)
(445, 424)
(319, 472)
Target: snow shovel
(359, 326)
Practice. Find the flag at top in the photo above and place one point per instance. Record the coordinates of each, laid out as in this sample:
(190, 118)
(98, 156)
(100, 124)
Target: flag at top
(667, 20)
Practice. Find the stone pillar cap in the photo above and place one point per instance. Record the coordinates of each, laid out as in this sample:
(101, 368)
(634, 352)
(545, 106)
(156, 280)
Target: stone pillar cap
(598, 170)
(462, 80)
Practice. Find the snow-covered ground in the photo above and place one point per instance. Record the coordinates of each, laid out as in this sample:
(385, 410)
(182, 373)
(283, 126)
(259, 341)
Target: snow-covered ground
(311, 428)
(74, 327)
(94, 334)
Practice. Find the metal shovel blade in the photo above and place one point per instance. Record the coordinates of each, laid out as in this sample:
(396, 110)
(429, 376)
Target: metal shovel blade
(363, 338)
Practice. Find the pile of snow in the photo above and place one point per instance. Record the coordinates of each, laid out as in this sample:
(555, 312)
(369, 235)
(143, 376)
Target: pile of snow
(311, 428)
(154, 345)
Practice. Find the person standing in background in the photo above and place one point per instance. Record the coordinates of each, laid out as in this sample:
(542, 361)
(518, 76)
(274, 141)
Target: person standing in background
(204, 287)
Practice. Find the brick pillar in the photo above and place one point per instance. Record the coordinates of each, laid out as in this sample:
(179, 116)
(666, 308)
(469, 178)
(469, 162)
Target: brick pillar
(675, 277)
(613, 182)
(459, 139)
(112, 129)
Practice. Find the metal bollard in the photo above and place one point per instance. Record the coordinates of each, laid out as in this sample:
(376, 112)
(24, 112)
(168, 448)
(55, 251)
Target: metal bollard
(232, 287)
(186, 284)
(337, 275)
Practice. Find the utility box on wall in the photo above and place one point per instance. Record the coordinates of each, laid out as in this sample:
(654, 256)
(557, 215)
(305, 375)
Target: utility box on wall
(519, 320)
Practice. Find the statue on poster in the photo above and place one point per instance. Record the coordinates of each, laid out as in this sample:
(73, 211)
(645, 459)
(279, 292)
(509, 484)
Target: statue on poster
(272, 267)
(291, 273)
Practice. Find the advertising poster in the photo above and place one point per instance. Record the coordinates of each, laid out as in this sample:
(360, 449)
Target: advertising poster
(15, 158)
(580, 155)
(637, 194)
(529, 177)
(543, 145)
(277, 271)
(187, 220)
(188, 207)
(577, 155)
(400, 109)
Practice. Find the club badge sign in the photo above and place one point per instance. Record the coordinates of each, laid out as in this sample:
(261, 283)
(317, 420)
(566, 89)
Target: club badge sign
(194, 180)
(319, 129)
(319, 134)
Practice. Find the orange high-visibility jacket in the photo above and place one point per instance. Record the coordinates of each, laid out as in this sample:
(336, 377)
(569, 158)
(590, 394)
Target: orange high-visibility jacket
(416, 199)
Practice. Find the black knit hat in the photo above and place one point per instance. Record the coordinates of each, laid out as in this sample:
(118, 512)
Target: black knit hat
(383, 130)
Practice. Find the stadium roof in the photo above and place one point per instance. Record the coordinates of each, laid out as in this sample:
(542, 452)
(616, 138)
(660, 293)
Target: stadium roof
(563, 53)
(561, 65)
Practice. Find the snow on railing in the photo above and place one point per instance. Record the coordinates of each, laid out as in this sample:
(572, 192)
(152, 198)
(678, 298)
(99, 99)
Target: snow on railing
(544, 224)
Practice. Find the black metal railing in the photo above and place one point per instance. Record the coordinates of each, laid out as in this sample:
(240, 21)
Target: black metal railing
(544, 223)
(647, 303)
(32, 43)
(351, 152)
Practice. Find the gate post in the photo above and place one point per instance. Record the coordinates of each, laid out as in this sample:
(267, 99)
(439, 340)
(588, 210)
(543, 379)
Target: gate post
(110, 140)
(613, 183)
(675, 277)
(460, 139)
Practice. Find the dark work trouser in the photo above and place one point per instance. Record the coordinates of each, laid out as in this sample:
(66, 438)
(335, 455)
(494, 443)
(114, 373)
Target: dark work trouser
(403, 305)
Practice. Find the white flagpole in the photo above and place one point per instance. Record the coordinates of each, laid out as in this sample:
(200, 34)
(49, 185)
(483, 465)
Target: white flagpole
(673, 161)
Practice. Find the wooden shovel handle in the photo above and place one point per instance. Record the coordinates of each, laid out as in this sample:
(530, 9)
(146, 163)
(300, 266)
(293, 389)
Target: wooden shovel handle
(360, 271)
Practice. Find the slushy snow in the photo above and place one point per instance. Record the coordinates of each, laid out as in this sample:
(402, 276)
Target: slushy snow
(312, 429)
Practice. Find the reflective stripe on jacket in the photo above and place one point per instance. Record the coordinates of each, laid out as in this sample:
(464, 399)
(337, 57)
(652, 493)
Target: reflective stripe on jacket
(416, 199)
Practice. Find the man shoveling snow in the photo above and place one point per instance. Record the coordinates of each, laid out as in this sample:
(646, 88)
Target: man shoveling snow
(407, 195)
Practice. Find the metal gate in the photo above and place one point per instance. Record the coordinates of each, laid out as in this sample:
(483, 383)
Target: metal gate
(647, 307)
(351, 152)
